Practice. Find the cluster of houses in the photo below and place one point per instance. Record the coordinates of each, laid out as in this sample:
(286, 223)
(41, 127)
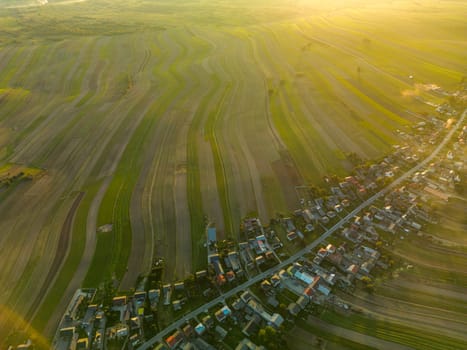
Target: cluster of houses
(225, 265)
(83, 325)
(245, 311)
(257, 250)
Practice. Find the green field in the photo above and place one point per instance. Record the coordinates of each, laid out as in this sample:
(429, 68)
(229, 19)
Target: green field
(397, 333)
(171, 114)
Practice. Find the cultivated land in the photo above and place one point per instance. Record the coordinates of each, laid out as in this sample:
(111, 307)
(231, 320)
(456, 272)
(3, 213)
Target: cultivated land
(148, 116)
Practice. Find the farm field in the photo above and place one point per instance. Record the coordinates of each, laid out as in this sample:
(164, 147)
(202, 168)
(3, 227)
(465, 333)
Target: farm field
(153, 117)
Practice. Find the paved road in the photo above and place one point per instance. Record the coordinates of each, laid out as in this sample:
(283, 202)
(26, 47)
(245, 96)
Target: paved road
(296, 256)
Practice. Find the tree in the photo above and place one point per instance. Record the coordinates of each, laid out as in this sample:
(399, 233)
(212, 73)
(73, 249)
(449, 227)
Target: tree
(269, 337)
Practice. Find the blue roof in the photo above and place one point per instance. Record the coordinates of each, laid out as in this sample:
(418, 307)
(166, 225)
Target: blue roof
(226, 310)
(212, 234)
(200, 328)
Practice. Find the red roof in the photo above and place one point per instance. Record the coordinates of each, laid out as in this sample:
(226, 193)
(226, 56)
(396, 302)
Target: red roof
(171, 341)
(315, 281)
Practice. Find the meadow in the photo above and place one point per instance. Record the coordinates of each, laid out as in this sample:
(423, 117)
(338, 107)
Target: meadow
(163, 113)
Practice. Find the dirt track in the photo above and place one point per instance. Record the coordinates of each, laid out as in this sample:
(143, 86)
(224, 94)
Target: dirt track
(60, 254)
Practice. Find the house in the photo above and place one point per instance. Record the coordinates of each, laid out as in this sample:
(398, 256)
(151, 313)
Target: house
(119, 301)
(208, 321)
(215, 261)
(177, 305)
(174, 340)
(238, 304)
(212, 236)
(134, 340)
(122, 332)
(331, 249)
(89, 315)
(154, 295)
(67, 333)
(291, 270)
(323, 289)
(291, 236)
(275, 280)
(167, 290)
(246, 296)
(139, 297)
(188, 330)
(260, 260)
(276, 320)
(322, 252)
(304, 277)
(220, 279)
(266, 285)
(200, 328)
(223, 313)
(260, 245)
(230, 275)
(135, 323)
(179, 286)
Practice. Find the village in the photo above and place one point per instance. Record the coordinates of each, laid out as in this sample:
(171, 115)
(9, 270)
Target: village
(248, 295)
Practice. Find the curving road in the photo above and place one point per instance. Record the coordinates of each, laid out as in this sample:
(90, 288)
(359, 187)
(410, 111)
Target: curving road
(177, 324)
